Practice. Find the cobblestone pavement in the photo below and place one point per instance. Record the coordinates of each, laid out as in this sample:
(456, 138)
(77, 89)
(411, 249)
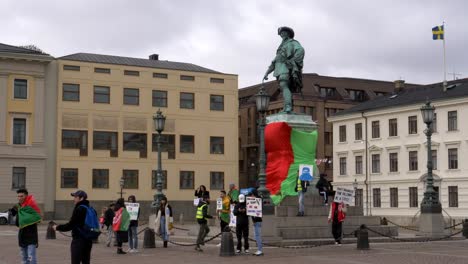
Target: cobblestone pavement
(57, 252)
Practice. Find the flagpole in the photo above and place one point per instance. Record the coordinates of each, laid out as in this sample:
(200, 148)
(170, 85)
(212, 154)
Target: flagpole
(445, 67)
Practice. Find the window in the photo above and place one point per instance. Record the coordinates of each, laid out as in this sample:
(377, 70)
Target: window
(343, 166)
(105, 140)
(159, 75)
(102, 70)
(328, 138)
(452, 120)
(187, 179)
(327, 92)
(434, 159)
(154, 179)
(358, 164)
(187, 78)
(413, 197)
(71, 92)
(187, 100)
(330, 111)
(392, 127)
(358, 198)
(375, 163)
(217, 145)
(71, 68)
(453, 196)
(131, 96)
(101, 178)
(375, 129)
(167, 144)
(380, 93)
(393, 197)
(393, 162)
(102, 94)
(19, 131)
(187, 144)
(217, 180)
(358, 131)
(134, 141)
(301, 109)
(434, 123)
(159, 98)
(376, 197)
(453, 159)
(130, 178)
(342, 133)
(18, 180)
(217, 102)
(357, 95)
(412, 125)
(312, 112)
(413, 160)
(74, 139)
(131, 73)
(20, 89)
(69, 178)
(216, 80)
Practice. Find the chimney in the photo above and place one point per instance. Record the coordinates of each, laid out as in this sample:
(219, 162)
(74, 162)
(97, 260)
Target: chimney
(399, 85)
(154, 57)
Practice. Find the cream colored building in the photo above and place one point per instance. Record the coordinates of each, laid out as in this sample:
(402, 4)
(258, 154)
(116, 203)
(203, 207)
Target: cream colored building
(105, 128)
(388, 132)
(27, 113)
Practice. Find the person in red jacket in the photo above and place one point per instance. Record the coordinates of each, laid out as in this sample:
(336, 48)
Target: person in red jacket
(337, 216)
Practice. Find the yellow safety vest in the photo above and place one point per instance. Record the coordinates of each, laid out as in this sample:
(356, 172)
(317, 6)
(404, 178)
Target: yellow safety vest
(299, 185)
(200, 212)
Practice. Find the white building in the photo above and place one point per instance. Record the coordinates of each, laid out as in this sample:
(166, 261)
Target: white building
(381, 145)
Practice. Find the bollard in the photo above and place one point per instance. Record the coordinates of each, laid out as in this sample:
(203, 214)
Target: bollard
(465, 228)
(149, 239)
(50, 231)
(362, 238)
(181, 219)
(227, 244)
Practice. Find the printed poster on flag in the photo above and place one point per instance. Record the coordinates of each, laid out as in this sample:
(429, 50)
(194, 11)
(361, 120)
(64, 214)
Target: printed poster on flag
(133, 209)
(254, 206)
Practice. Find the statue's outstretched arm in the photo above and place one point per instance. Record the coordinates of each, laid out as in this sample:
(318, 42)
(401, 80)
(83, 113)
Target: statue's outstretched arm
(270, 69)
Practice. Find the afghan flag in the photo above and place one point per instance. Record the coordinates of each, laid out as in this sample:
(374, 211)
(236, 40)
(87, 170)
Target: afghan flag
(287, 148)
(121, 220)
(29, 213)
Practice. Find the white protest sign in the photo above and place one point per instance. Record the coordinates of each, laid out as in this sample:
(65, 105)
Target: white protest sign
(196, 201)
(219, 204)
(254, 206)
(232, 218)
(133, 209)
(343, 195)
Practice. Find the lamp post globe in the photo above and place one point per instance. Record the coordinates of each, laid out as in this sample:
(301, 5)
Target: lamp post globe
(159, 122)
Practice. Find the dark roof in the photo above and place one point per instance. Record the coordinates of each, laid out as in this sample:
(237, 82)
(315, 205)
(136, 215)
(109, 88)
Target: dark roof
(14, 49)
(118, 60)
(417, 95)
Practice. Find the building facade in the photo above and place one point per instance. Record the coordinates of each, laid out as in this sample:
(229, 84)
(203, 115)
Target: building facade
(382, 147)
(322, 96)
(26, 126)
(105, 129)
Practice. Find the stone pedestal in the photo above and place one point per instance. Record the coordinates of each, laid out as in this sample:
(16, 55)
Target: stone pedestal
(297, 121)
(432, 225)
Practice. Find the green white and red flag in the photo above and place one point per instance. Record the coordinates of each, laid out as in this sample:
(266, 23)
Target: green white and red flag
(28, 212)
(121, 220)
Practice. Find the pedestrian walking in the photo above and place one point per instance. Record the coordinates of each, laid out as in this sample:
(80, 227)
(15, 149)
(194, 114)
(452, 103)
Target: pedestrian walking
(108, 219)
(201, 216)
(336, 217)
(27, 216)
(242, 224)
(120, 224)
(81, 244)
(164, 221)
(133, 229)
(257, 222)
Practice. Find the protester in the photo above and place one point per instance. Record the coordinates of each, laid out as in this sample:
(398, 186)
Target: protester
(201, 216)
(120, 224)
(80, 246)
(233, 193)
(27, 216)
(301, 188)
(164, 221)
(324, 187)
(224, 213)
(133, 229)
(108, 219)
(336, 216)
(242, 224)
(257, 221)
(201, 191)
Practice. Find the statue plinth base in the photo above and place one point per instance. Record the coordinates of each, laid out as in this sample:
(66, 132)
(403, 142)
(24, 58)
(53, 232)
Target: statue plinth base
(297, 121)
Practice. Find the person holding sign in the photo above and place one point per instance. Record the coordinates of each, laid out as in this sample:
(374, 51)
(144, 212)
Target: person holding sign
(336, 217)
(133, 228)
(164, 221)
(257, 222)
(302, 182)
(242, 224)
(224, 211)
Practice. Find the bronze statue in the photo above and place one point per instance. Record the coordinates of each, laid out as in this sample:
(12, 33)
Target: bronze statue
(287, 66)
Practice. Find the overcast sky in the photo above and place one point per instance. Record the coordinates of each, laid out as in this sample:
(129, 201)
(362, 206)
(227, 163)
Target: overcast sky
(382, 40)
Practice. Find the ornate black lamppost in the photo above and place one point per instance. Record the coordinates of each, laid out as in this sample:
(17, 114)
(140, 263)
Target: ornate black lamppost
(159, 122)
(263, 100)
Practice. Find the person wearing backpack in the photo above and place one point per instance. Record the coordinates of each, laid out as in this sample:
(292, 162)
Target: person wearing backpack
(82, 243)
(120, 224)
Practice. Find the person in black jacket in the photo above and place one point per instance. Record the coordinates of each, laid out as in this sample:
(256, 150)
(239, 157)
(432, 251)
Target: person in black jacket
(108, 219)
(242, 224)
(324, 187)
(80, 247)
(202, 192)
(257, 221)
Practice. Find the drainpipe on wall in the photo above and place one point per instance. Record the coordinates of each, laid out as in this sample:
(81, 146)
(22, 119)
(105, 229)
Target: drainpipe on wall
(366, 182)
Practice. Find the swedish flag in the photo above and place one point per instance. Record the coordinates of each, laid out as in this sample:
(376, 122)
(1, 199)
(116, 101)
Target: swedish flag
(438, 32)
